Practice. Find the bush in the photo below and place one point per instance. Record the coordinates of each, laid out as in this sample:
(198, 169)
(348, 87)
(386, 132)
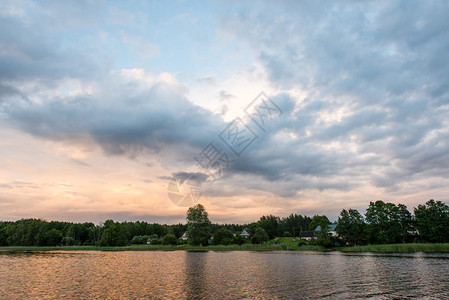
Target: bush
(287, 234)
(155, 242)
(137, 240)
(227, 241)
(302, 243)
(169, 239)
(223, 234)
(239, 240)
(68, 241)
(325, 242)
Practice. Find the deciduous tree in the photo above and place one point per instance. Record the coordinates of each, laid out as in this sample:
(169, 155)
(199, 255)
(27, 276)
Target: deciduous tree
(198, 225)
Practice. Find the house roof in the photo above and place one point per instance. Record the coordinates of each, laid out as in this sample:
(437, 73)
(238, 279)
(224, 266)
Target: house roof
(330, 227)
(306, 234)
(246, 231)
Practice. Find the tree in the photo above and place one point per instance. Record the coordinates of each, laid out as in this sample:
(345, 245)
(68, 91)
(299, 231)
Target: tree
(3, 236)
(387, 223)
(223, 236)
(53, 237)
(269, 224)
(114, 234)
(351, 226)
(294, 224)
(321, 221)
(404, 217)
(169, 239)
(432, 221)
(198, 225)
(260, 236)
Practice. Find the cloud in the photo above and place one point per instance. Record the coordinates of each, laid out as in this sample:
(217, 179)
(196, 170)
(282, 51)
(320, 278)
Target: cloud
(375, 85)
(122, 119)
(362, 86)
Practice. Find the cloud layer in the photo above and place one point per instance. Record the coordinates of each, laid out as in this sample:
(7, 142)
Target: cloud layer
(363, 88)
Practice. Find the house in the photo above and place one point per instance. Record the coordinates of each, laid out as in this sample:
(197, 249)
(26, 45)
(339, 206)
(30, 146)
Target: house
(306, 235)
(331, 228)
(184, 236)
(246, 233)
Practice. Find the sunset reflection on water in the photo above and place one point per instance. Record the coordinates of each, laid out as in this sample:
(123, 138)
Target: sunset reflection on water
(220, 275)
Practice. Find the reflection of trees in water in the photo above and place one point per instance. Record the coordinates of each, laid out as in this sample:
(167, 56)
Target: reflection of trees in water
(195, 282)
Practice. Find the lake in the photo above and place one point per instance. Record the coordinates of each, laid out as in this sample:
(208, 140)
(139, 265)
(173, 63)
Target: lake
(222, 275)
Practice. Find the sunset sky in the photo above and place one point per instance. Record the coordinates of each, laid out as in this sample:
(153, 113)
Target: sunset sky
(101, 103)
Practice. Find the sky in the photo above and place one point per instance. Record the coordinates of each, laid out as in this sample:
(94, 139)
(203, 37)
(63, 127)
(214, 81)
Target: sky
(103, 103)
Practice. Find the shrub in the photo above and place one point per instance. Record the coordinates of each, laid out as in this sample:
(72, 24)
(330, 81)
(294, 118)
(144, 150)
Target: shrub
(223, 234)
(227, 241)
(239, 240)
(137, 240)
(169, 239)
(155, 242)
(302, 243)
(325, 242)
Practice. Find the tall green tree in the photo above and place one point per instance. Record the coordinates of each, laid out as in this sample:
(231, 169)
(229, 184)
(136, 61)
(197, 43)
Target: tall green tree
(432, 221)
(198, 225)
(387, 223)
(322, 221)
(351, 226)
(294, 224)
(270, 224)
(259, 236)
(405, 221)
(53, 237)
(114, 234)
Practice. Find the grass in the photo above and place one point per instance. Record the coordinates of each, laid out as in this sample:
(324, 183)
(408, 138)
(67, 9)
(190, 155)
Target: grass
(286, 243)
(245, 247)
(399, 248)
(292, 244)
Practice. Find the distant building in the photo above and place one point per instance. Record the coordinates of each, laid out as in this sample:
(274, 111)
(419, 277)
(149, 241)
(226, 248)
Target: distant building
(184, 236)
(246, 233)
(306, 235)
(330, 228)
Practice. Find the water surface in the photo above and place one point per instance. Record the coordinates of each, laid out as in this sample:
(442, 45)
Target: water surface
(222, 275)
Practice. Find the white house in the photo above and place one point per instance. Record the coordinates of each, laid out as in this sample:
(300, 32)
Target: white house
(246, 233)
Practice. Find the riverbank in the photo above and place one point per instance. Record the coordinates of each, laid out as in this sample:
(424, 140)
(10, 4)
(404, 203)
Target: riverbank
(244, 247)
(286, 245)
(399, 248)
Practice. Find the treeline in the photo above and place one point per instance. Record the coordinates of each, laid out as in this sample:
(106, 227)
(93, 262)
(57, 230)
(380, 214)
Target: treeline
(38, 232)
(387, 223)
(382, 223)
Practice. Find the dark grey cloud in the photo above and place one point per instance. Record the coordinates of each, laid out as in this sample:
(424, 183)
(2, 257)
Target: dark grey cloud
(381, 63)
(152, 120)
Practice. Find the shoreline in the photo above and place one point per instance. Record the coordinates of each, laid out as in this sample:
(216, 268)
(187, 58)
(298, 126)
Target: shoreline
(389, 248)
